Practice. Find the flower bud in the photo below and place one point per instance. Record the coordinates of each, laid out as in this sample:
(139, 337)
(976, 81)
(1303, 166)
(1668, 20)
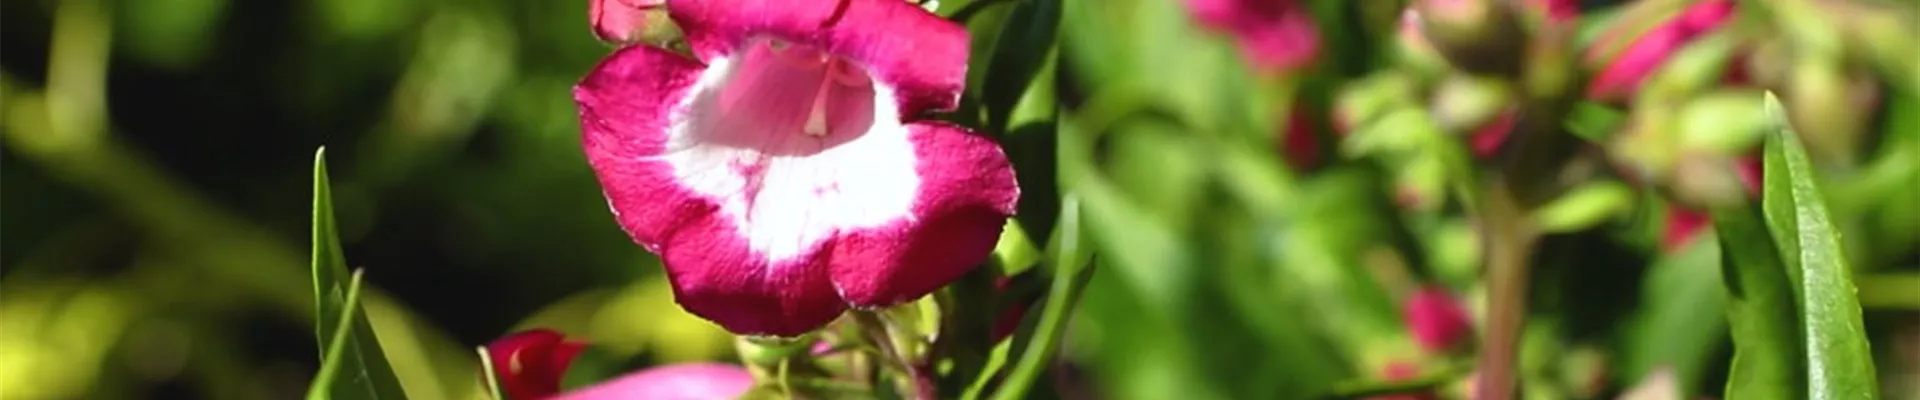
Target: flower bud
(1479, 36)
(531, 364)
(626, 21)
(1621, 75)
(1437, 320)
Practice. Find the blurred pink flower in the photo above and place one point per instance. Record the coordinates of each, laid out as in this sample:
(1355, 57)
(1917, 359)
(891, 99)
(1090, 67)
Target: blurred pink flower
(620, 21)
(1274, 34)
(788, 173)
(1437, 320)
(1621, 77)
(698, 381)
(1488, 139)
(530, 364)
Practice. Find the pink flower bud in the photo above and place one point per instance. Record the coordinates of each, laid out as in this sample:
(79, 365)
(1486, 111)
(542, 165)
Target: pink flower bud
(1274, 34)
(530, 364)
(1437, 320)
(1622, 76)
(1488, 139)
(620, 21)
(698, 381)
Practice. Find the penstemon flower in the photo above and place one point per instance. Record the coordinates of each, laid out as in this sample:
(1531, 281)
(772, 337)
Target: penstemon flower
(788, 171)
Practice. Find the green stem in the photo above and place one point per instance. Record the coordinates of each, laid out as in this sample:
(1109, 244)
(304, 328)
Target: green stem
(1068, 281)
(1890, 290)
(1510, 242)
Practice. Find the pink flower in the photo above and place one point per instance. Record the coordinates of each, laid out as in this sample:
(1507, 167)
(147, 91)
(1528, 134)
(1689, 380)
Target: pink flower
(530, 364)
(789, 172)
(1622, 76)
(1274, 34)
(699, 381)
(620, 21)
(1488, 139)
(1437, 320)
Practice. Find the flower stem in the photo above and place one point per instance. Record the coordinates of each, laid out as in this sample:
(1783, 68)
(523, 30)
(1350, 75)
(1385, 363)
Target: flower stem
(1511, 242)
(912, 379)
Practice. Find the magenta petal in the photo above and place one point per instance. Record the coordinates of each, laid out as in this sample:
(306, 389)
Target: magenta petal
(703, 381)
(1274, 34)
(625, 106)
(921, 56)
(967, 192)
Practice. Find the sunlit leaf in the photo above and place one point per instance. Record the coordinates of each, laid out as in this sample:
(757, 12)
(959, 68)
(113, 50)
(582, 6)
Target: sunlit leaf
(1839, 364)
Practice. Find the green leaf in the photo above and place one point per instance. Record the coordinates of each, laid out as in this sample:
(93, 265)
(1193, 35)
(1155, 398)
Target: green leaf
(1585, 207)
(1677, 326)
(1020, 54)
(337, 354)
(1839, 363)
(346, 338)
(1766, 354)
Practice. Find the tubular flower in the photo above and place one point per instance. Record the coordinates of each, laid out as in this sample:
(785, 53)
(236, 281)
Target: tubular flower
(786, 174)
(1622, 76)
(700, 381)
(620, 21)
(1274, 34)
(531, 364)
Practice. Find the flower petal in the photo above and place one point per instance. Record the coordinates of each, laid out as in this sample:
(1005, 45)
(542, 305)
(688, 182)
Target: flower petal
(701, 381)
(628, 106)
(718, 276)
(921, 56)
(967, 191)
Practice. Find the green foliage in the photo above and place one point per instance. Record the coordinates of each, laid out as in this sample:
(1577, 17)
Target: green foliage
(352, 364)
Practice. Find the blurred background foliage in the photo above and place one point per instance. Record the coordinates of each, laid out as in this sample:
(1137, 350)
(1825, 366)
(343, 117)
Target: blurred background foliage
(156, 180)
(157, 189)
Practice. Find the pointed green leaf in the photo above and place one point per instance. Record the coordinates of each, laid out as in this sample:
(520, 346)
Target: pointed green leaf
(1839, 363)
(346, 338)
(1766, 340)
(1019, 56)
